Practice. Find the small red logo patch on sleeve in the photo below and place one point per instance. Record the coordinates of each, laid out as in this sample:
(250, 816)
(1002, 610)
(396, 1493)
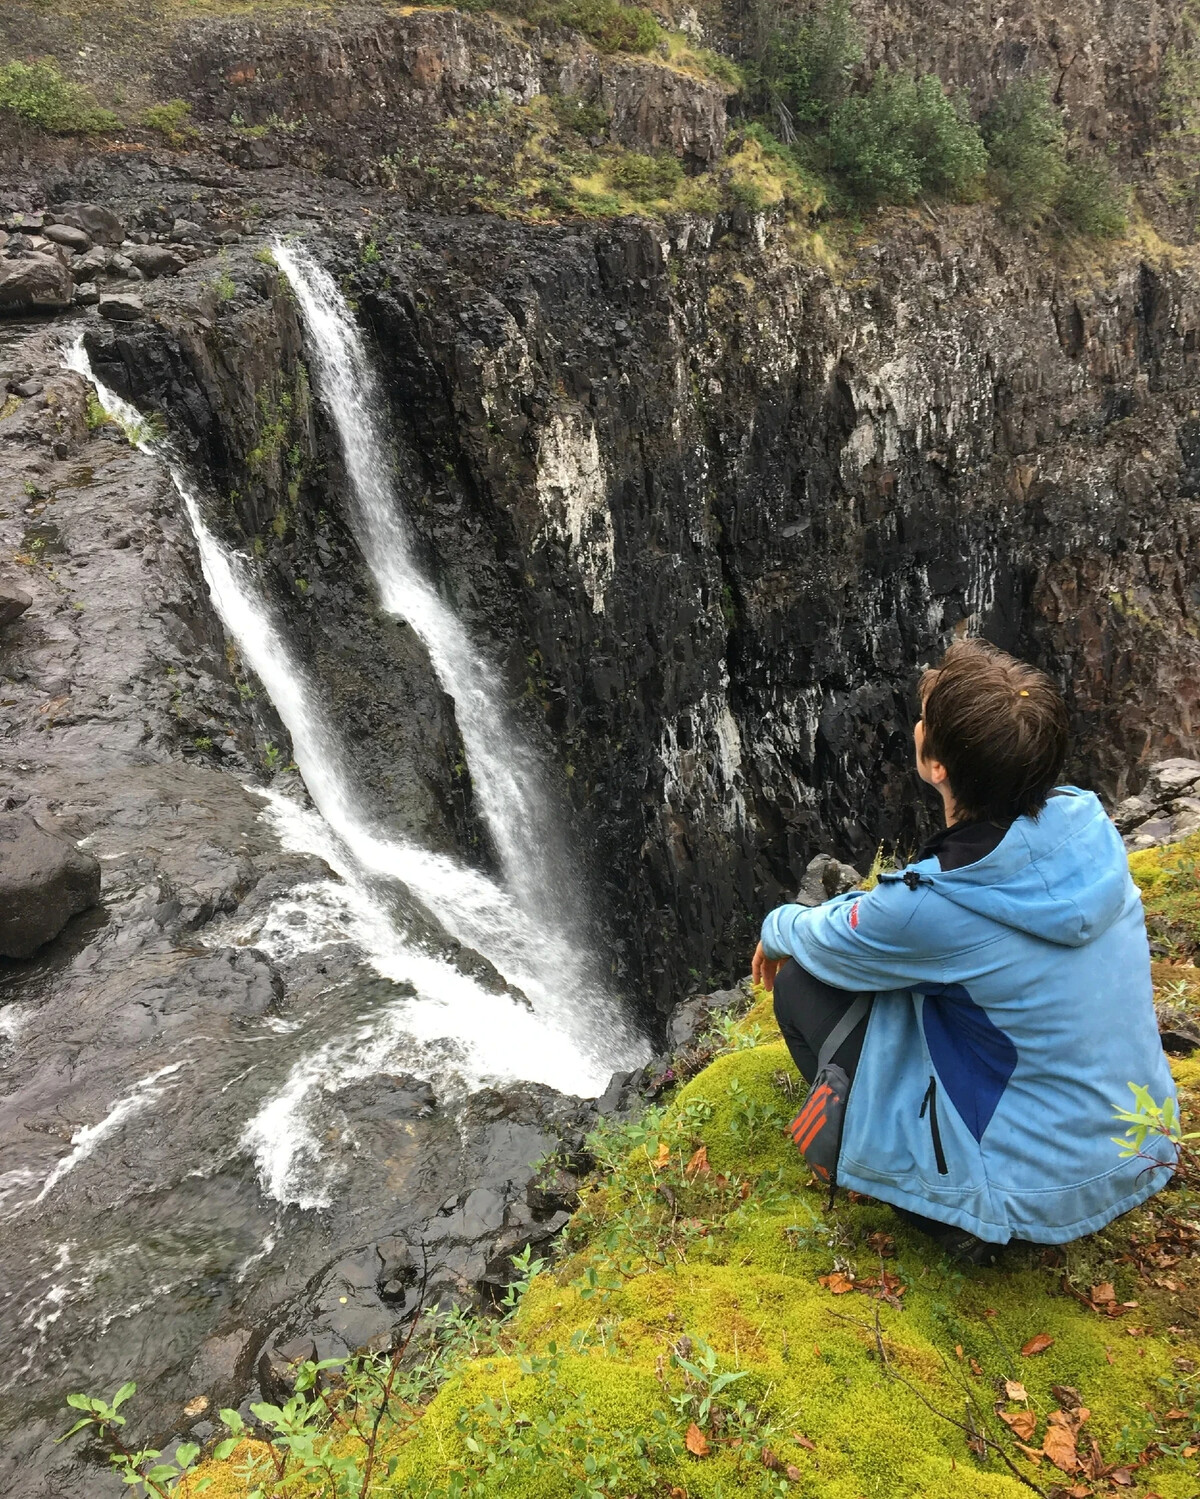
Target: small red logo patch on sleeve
(854, 915)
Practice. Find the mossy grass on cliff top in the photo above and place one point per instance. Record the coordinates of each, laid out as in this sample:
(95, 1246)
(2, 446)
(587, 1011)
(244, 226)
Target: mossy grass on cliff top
(1169, 879)
(714, 1328)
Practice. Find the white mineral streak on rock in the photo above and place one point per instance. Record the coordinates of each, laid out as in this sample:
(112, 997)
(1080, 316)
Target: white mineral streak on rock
(701, 754)
(572, 489)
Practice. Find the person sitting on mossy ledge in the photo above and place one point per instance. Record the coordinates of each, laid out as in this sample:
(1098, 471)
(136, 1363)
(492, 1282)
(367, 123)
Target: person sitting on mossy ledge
(1008, 975)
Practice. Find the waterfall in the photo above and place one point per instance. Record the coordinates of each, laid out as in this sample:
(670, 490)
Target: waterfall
(504, 773)
(573, 1038)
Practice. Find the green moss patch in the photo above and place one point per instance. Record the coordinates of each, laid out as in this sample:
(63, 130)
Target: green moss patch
(1169, 879)
(704, 1241)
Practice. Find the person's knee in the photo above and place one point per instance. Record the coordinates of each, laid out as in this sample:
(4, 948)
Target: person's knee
(791, 986)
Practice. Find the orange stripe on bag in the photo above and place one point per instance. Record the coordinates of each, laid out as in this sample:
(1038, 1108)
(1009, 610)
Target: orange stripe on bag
(812, 1107)
(813, 1132)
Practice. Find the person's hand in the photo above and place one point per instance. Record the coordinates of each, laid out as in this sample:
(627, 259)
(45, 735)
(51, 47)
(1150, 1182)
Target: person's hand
(764, 969)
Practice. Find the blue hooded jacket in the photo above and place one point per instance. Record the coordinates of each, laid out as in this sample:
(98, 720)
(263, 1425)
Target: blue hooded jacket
(1013, 1008)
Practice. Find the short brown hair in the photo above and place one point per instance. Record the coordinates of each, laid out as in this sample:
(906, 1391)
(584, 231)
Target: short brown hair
(999, 726)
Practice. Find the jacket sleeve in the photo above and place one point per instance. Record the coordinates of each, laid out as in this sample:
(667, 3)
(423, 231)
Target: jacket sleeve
(859, 940)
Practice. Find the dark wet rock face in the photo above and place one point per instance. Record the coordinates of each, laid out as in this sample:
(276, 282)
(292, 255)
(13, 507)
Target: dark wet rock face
(44, 881)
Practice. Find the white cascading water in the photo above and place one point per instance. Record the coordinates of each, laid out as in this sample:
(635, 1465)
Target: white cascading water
(572, 1039)
(504, 774)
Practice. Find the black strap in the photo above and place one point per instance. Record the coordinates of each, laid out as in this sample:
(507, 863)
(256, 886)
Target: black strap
(842, 1029)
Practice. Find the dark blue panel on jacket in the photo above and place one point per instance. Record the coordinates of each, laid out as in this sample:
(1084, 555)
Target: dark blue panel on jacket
(973, 1057)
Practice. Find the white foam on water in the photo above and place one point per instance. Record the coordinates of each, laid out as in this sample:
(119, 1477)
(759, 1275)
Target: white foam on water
(85, 1139)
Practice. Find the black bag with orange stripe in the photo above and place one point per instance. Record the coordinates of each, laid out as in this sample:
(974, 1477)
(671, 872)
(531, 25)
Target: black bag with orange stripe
(817, 1128)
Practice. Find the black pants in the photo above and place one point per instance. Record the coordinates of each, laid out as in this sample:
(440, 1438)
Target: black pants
(807, 1010)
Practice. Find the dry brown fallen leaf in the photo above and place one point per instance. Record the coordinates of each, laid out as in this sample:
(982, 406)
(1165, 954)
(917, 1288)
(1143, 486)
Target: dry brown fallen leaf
(1037, 1344)
(1034, 1454)
(1104, 1291)
(695, 1441)
(1021, 1423)
(882, 1244)
(1059, 1446)
(806, 1442)
(958, 1350)
(793, 1472)
(698, 1165)
(1170, 1416)
(1121, 1476)
(663, 1158)
(1015, 1390)
(836, 1282)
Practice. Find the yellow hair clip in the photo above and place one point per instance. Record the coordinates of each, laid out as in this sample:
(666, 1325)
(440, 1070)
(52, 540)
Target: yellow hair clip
(1023, 693)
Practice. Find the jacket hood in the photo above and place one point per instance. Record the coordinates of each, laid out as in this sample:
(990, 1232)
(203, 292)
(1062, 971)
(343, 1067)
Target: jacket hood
(1062, 876)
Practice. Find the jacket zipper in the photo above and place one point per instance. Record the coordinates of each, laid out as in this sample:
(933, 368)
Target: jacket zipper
(930, 1102)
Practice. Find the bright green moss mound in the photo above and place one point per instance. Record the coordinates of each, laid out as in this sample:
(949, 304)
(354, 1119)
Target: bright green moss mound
(728, 1259)
(1169, 879)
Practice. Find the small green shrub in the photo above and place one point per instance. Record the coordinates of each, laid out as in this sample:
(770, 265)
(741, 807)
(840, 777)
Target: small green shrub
(171, 119)
(38, 94)
(646, 178)
(903, 137)
(611, 26)
(1177, 159)
(574, 113)
(1092, 200)
(1026, 145)
(747, 195)
(800, 71)
(1034, 177)
(722, 68)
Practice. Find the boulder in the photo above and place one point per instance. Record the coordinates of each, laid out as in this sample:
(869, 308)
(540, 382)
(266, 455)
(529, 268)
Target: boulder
(1132, 811)
(87, 294)
(222, 1365)
(121, 307)
(93, 263)
(184, 229)
(1178, 1028)
(1171, 778)
(25, 223)
(69, 237)
(691, 1016)
(100, 223)
(44, 881)
(154, 260)
(13, 602)
(37, 281)
(824, 878)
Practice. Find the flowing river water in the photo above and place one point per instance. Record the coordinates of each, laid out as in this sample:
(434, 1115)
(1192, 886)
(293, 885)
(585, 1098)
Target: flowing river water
(214, 1178)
